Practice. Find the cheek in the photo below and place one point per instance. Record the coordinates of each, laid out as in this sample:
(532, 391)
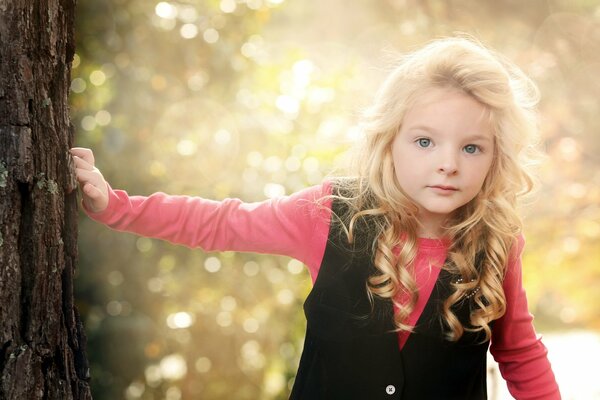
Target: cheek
(480, 174)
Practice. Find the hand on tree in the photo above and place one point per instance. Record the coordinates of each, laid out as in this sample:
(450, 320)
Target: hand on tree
(93, 185)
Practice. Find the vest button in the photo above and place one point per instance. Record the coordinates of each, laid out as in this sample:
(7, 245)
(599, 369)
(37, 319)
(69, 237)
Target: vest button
(390, 389)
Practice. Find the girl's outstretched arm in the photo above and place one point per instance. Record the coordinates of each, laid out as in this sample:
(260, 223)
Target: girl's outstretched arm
(295, 225)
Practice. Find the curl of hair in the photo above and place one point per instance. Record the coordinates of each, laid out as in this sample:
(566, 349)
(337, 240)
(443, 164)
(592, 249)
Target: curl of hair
(482, 232)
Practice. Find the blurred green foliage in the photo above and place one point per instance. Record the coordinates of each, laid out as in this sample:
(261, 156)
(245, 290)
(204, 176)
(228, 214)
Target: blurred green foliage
(255, 98)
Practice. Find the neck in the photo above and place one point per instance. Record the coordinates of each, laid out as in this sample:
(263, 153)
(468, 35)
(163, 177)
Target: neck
(431, 227)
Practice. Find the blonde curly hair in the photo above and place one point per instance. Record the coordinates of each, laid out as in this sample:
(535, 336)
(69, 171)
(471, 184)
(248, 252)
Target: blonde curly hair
(481, 233)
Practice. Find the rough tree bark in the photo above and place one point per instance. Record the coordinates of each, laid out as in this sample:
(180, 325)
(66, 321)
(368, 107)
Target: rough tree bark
(41, 337)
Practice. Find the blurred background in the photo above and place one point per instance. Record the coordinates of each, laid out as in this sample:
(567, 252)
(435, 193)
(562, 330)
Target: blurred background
(260, 98)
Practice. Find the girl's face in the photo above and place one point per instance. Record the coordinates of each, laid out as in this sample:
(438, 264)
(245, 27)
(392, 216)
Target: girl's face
(442, 154)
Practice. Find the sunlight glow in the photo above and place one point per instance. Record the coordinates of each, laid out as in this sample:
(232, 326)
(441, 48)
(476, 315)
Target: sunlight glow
(287, 104)
(273, 190)
(571, 245)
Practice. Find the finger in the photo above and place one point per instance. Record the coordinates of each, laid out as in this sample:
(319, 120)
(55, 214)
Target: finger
(84, 153)
(84, 176)
(81, 163)
(92, 191)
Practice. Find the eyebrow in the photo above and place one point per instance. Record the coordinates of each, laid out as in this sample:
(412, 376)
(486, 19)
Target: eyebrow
(432, 130)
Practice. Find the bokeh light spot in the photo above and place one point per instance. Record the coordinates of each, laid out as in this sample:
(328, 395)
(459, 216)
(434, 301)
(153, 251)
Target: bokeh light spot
(274, 382)
(186, 147)
(115, 278)
(251, 268)
(211, 35)
(155, 285)
(228, 6)
(78, 85)
(295, 267)
(212, 264)
(251, 325)
(188, 31)
(88, 123)
(272, 164)
(97, 78)
(135, 390)
(224, 319)
(568, 148)
(173, 367)
(254, 159)
(310, 164)
(180, 320)
(143, 244)
(285, 296)
(153, 375)
(165, 10)
(222, 136)
(173, 393)
(228, 303)
(293, 164)
(203, 365)
(103, 118)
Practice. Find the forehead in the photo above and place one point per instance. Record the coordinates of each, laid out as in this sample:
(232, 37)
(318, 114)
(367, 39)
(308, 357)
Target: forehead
(444, 109)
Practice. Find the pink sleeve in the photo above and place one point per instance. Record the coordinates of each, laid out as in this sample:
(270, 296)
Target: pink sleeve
(296, 226)
(520, 353)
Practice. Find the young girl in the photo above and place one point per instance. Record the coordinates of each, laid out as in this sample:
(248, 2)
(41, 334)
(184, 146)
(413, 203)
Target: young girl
(415, 257)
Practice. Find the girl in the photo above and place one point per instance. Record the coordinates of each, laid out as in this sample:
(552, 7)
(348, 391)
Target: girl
(415, 257)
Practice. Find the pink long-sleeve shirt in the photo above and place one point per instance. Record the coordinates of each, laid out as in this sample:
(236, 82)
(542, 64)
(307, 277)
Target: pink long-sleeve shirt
(298, 226)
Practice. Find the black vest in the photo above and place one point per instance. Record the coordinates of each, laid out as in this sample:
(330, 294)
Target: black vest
(351, 352)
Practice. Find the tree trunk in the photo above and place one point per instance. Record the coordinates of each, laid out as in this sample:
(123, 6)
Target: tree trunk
(42, 342)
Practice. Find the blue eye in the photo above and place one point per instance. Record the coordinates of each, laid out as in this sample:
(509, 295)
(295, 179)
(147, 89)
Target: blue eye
(423, 142)
(471, 149)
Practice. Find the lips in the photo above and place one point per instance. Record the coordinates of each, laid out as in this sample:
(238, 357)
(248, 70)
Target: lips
(444, 187)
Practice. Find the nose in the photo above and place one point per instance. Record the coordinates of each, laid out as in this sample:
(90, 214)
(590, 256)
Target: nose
(448, 164)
